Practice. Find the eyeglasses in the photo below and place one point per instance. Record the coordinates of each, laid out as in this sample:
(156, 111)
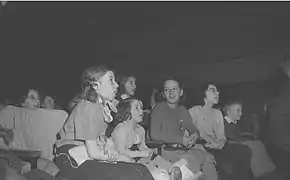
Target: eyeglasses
(213, 90)
(167, 90)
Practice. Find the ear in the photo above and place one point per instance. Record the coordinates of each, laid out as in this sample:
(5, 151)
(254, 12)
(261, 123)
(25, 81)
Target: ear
(181, 92)
(96, 85)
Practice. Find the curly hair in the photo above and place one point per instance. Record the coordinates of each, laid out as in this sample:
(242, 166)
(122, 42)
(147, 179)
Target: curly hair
(89, 77)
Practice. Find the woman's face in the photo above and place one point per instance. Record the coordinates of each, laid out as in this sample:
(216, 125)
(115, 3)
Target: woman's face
(32, 99)
(137, 111)
(234, 112)
(130, 86)
(212, 94)
(107, 86)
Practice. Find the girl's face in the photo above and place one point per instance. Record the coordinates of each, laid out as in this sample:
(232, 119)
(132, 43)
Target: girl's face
(137, 111)
(130, 86)
(212, 94)
(107, 86)
(234, 112)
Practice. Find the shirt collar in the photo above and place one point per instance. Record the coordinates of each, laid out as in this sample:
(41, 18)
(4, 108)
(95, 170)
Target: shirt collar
(124, 96)
(229, 120)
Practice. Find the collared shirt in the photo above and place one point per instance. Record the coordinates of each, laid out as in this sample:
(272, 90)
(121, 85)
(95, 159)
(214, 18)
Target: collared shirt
(229, 120)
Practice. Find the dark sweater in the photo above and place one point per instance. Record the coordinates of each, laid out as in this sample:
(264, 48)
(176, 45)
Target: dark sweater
(232, 132)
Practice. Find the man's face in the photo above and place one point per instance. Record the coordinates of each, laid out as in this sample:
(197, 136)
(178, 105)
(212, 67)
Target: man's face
(172, 91)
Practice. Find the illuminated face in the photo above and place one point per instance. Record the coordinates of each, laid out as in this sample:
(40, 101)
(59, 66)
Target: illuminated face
(212, 94)
(234, 112)
(32, 99)
(172, 91)
(130, 86)
(107, 86)
(137, 111)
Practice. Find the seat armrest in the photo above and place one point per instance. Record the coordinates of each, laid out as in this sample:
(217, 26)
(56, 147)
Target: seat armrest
(30, 156)
(155, 144)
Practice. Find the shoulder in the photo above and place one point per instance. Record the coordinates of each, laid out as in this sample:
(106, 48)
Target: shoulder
(194, 110)
(140, 129)
(121, 127)
(159, 107)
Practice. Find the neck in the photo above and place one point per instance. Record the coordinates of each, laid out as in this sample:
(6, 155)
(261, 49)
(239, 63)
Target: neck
(173, 106)
(132, 123)
(207, 105)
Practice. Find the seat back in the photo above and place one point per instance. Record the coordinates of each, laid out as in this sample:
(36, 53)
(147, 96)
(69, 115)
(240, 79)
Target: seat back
(34, 128)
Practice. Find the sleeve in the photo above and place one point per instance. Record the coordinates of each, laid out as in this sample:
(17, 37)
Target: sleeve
(141, 133)
(192, 111)
(219, 129)
(89, 121)
(156, 124)
(188, 122)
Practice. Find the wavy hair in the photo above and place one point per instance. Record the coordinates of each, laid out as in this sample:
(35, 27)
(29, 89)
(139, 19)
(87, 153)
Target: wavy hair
(89, 77)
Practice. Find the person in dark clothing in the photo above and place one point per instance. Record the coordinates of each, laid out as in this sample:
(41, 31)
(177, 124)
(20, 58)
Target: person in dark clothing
(261, 164)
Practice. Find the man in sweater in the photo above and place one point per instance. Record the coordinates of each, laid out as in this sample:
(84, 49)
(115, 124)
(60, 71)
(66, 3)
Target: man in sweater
(171, 123)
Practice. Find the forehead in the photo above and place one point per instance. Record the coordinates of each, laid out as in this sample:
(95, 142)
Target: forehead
(171, 84)
(136, 102)
(211, 86)
(235, 106)
(131, 78)
(107, 75)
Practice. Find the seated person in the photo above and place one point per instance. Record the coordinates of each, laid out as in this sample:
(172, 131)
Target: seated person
(82, 151)
(48, 102)
(171, 123)
(129, 133)
(260, 161)
(32, 99)
(209, 121)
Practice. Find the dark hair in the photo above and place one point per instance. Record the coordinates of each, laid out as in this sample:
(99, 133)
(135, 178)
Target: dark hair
(122, 81)
(123, 114)
(176, 79)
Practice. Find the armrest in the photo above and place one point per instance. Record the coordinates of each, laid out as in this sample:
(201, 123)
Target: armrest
(155, 144)
(30, 156)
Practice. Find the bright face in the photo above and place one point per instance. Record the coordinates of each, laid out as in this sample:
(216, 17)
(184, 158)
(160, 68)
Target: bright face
(212, 94)
(137, 111)
(234, 112)
(172, 91)
(107, 86)
(32, 99)
(130, 86)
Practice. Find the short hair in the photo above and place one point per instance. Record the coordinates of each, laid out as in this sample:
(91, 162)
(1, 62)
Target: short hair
(173, 78)
(229, 103)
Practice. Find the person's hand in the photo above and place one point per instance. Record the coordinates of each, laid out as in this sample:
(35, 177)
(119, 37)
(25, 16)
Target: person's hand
(111, 153)
(187, 140)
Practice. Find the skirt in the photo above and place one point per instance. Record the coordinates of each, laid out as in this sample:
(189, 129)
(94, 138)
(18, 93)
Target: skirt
(97, 170)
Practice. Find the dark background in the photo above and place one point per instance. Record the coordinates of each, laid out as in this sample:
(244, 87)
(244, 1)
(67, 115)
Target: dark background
(48, 44)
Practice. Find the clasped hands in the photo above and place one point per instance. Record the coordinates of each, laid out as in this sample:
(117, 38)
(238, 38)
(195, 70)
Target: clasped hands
(189, 140)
